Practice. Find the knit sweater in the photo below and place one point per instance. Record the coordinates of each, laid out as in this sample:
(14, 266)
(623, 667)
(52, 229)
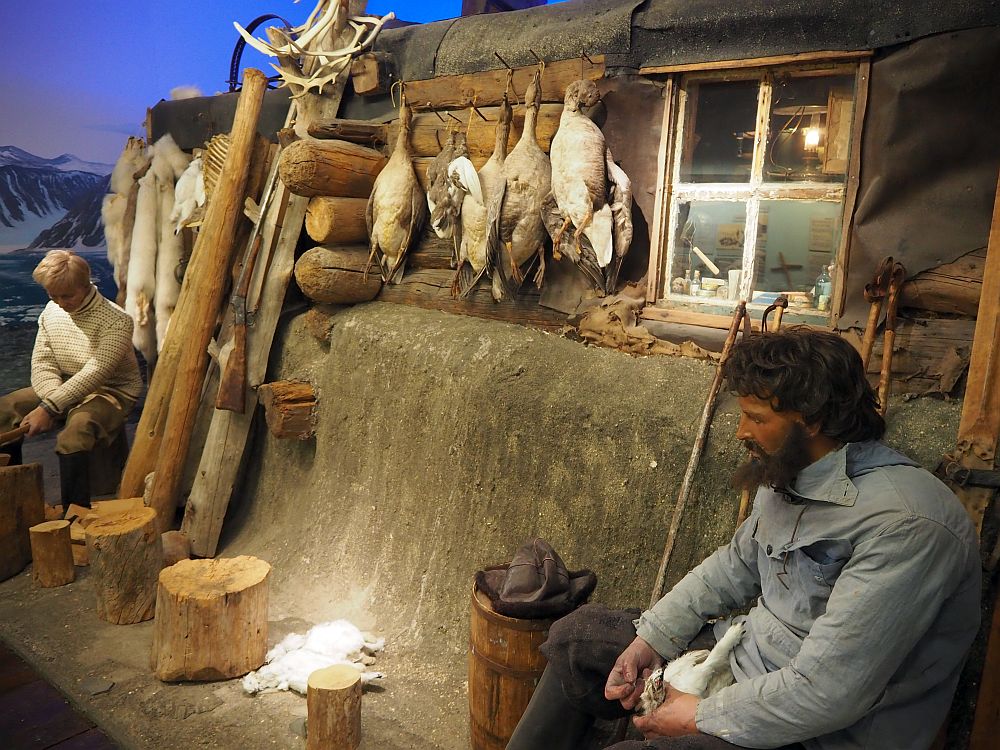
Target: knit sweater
(78, 353)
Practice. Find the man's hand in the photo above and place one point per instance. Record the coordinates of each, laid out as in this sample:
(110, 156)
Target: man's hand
(675, 717)
(38, 421)
(625, 682)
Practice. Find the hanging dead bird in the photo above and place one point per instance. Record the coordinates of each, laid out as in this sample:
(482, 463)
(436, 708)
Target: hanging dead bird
(585, 185)
(479, 251)
(397, 207)
(528, 176)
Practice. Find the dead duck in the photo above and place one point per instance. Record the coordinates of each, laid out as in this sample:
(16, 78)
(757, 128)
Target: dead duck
(528, 177)
(479, 251)
(589, 192)
(396, 209)
(441, 203)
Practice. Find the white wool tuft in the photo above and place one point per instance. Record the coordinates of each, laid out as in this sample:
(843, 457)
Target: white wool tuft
(290, 663)
(185, 92)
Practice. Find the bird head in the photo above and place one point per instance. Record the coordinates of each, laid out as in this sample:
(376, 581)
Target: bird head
(582, 93)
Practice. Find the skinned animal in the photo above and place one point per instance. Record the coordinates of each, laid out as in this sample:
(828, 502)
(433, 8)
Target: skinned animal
(702, 672)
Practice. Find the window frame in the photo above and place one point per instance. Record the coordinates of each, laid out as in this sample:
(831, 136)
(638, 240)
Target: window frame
(671, 193)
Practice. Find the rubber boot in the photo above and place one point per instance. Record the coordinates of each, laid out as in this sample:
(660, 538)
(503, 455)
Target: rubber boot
(74, 478)
(14, 451)
(551, 721)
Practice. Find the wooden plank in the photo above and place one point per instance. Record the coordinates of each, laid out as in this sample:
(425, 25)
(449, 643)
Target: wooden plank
(979, 428)
(862, 78)
(35, 715)
(987, 711)
(950, 288)
(655, 283)
(487, 87)
(757, 62)
(429, 131)
(431, 289)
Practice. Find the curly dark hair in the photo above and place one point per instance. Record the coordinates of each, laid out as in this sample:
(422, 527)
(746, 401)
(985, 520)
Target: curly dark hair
(816, 373)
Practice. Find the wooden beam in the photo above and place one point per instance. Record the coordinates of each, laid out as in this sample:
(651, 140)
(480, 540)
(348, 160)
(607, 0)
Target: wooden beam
(757, 62)
(655, 287)
(289, 408)
(954, 288)
(487, 88)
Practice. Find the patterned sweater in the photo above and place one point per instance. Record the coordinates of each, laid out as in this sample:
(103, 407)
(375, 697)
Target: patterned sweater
(77, 353)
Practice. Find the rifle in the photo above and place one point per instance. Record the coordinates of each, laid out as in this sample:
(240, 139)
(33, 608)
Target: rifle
(233, 383)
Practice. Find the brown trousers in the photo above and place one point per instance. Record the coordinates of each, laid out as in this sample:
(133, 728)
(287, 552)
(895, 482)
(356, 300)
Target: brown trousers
(93, 422)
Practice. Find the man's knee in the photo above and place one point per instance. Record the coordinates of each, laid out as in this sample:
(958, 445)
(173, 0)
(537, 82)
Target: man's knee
(79, 434)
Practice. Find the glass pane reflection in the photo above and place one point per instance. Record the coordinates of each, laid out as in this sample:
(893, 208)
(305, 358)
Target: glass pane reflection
(716, 229)
(719, 131)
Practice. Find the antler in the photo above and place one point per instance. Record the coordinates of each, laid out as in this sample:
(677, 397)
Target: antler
(326, 15)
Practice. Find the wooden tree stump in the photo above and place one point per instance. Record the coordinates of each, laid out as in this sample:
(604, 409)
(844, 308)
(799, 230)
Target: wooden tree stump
(333, 704)
(347, 170)
(176, 547)
(211, 619)
(51, 554)
(126, 556)
(290, 408)
(336, 275)
(337, 221)
(22, 505)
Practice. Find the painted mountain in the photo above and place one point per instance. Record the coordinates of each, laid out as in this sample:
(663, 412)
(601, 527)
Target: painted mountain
(50, 202)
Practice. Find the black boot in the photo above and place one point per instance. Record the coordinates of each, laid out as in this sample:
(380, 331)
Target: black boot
(74, 478)
(14, 451)
(551, 721)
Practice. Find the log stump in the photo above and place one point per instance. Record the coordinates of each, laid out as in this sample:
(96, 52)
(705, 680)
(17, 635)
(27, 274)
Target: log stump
(336, 275)
(333, 705)
(22, 505)
(125, 556)
(211, 619)
(346, 170)
(337, 221)
(51, 554)
(289, 408)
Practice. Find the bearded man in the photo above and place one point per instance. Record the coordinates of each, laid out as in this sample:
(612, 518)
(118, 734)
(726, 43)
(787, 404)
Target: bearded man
(861, 569)
(84, 373)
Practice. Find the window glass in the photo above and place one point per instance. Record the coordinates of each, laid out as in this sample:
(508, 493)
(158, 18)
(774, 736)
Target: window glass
(718, 145)
(797, 241)
(810, 129)
(716, 229)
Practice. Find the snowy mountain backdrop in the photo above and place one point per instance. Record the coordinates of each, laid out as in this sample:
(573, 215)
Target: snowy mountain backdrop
(50, 202)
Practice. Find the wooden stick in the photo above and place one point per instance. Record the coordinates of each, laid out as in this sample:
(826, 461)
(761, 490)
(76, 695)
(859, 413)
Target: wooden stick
(697, 449)
(875, 295)
(215, 244)
(12, 435)
(885, 382)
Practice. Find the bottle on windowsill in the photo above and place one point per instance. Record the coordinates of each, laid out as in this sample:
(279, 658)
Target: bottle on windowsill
(823, 288)
(696, 284)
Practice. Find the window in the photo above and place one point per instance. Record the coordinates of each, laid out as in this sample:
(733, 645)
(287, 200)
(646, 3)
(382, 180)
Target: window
(755, 186)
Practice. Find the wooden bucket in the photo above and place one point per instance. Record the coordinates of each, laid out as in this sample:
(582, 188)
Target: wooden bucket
(504, 667)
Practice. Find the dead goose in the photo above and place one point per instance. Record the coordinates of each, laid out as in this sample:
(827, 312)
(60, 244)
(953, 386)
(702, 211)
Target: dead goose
(396, 208)
(528, 176)
(479, 250)
(589, 192)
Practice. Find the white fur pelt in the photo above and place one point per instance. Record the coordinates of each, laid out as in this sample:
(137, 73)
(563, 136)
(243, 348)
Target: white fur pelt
(118, 207)
(189, 194)
(290, 663)
(141, 284)
(166, 166)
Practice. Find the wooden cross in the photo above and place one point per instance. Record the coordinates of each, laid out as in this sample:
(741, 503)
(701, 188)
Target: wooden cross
(786, 268)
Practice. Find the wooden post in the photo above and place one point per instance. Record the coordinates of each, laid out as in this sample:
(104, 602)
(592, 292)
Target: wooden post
(336, 275)
(126, 557)
(290, 408)
(204, 283)
(211, 619)
(338, 168)
(337, 221)
(22, 505)
(51, 554)
(333, 705)
(197, 321)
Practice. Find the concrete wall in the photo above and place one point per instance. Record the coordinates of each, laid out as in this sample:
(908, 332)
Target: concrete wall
(444, 442)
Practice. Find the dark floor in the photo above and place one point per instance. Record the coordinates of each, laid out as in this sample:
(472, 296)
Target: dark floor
(34, 715)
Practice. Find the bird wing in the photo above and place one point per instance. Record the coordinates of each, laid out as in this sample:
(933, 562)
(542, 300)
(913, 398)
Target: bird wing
(465, 172)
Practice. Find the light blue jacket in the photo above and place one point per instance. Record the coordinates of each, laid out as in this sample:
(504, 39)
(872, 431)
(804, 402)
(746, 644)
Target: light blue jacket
(867, 586)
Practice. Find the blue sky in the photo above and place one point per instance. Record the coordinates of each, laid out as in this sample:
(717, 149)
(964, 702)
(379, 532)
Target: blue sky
(78, 76)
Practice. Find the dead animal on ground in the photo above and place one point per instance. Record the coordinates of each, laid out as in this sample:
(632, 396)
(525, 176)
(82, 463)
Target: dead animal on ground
(702, 672)
(396, 209)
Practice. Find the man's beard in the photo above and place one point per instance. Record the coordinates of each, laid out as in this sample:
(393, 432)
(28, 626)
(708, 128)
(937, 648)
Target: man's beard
(778, 469)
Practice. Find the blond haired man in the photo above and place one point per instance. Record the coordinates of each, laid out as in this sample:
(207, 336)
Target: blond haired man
(84, 373)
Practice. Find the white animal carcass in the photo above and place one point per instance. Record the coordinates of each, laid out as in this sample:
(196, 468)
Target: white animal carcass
(169, 163)
(700, 672)
(118, 207)
(290, 663)
(141, 284)
(189, 194)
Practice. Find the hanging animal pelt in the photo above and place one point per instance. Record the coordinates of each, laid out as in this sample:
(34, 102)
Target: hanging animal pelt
(169, 164)
(118, 209)
(189, 195)
(141, 284)
(397, 207)
(589, 193)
